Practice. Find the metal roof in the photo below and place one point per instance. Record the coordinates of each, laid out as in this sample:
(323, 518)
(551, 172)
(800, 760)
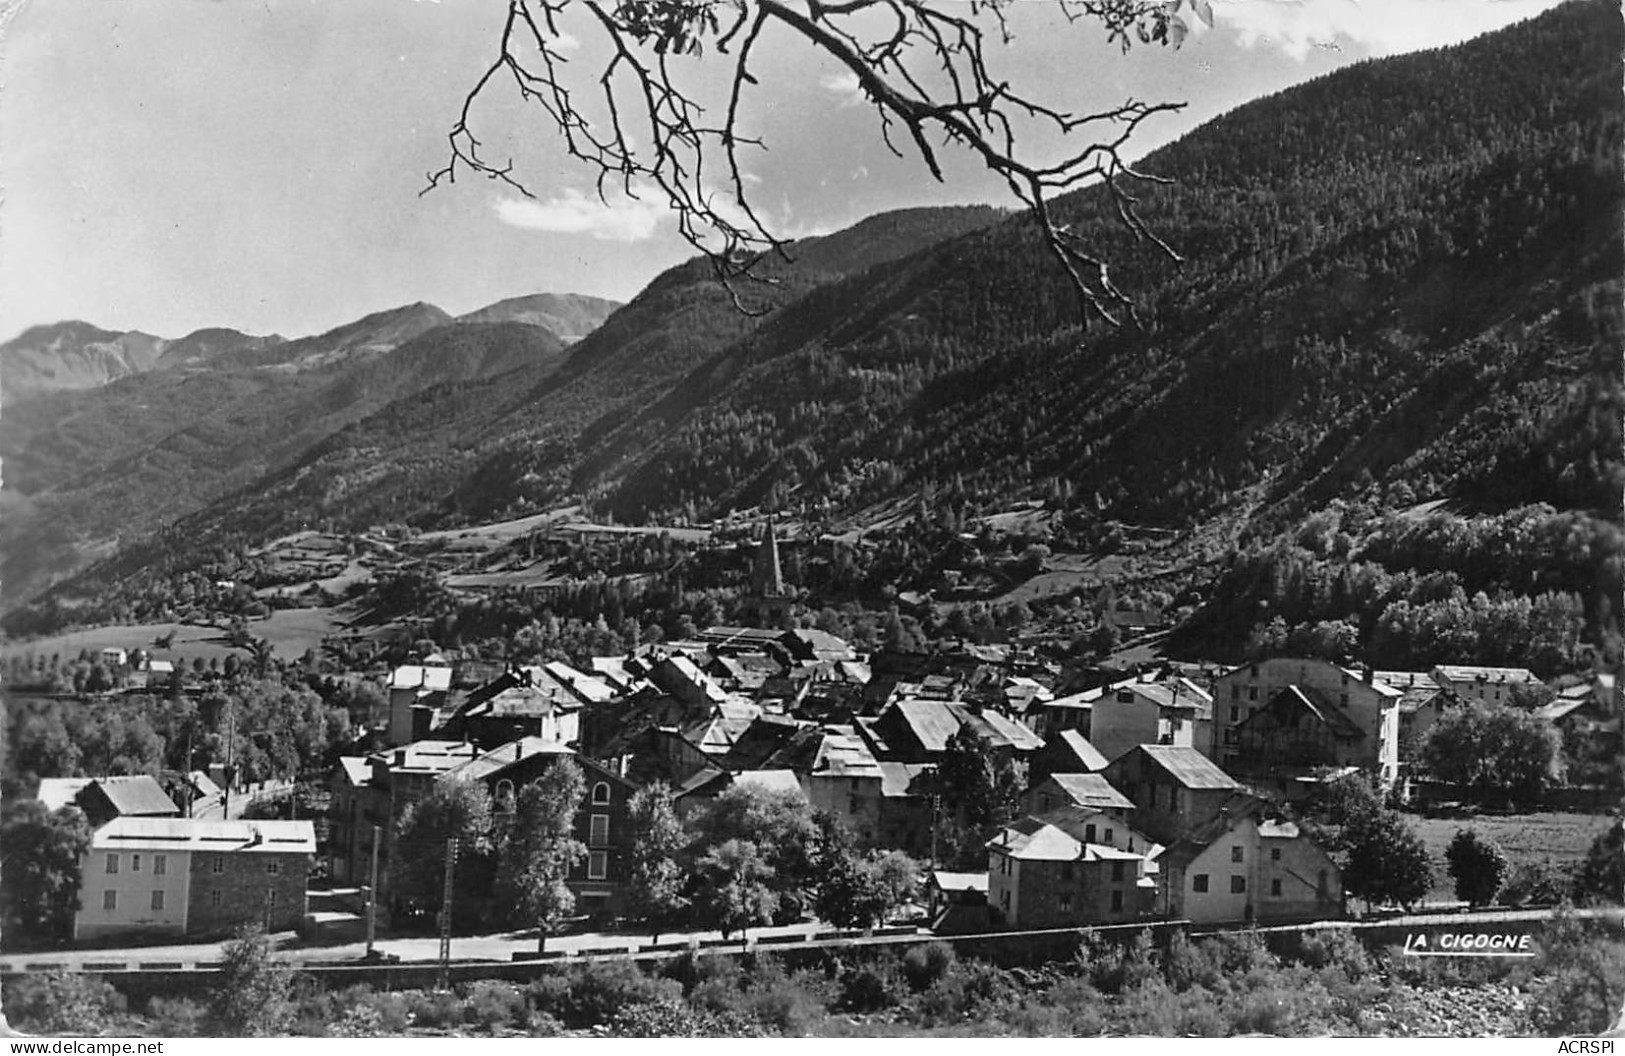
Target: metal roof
(1188, 766)
(194, 834)
(1091, 790)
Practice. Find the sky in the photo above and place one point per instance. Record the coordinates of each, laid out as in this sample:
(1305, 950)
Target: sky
(169, 165)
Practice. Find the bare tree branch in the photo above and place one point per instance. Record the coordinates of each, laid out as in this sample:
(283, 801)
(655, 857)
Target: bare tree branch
(925, 71)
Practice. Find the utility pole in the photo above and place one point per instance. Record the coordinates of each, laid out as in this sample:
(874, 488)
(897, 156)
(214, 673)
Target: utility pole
(372, 895)
(445, 916)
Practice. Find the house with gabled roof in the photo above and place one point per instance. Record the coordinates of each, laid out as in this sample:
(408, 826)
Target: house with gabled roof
(1145, 712)
(171, 877)
(1370, 706)
(105, 798)
(919, 731)
(1065, 752)
(1484, 685)
(602, 823)
(1092, 791)
(1174, 788)
(1070, 867)
(544, 702)
(1247, 865)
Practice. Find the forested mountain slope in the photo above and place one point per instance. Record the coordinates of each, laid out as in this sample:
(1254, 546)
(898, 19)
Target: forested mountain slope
(1402, 284)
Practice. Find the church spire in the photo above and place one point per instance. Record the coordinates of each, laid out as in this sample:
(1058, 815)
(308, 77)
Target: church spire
(769, 573)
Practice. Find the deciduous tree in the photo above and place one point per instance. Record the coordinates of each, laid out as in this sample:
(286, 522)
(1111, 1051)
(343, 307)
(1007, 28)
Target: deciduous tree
(540, 850)
(655, 876)
(1477, 865)
(40, 852)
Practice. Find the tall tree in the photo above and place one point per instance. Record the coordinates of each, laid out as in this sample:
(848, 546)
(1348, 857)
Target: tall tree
(453, 810)
(655, 878)
(40, 853)
(540, 850)
(1386, 861)
(1477, 865)
(735, 888)
(780, 826)
(1494, 754)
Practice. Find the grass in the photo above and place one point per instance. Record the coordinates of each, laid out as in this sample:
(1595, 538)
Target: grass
(1562, 837)
(290, 632)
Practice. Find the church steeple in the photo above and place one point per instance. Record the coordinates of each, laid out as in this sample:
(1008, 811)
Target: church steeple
(769, 578)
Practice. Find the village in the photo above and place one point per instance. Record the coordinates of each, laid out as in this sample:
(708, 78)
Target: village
(1176, 792)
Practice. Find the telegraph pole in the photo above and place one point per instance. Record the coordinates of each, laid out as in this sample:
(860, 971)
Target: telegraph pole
(445, 916)
(372, 895)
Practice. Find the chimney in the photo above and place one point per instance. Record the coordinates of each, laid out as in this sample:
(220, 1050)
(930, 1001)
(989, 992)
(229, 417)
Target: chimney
(400, 757)
(1370, 676)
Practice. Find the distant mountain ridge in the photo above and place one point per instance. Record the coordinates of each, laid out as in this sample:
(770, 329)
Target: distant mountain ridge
(1402, 283)
(73, 355)
(572, 316)
(105, 436)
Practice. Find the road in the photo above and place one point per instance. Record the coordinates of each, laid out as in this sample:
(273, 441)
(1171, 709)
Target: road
(501, 946)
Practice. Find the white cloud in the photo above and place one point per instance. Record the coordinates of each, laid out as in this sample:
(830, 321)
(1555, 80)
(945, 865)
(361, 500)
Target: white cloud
(1371, 27)
(623, 220)
(845, 84)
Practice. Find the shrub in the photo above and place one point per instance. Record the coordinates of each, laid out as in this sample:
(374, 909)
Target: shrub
(871, 986)
(1186, 964)
(64, 1002)
(1584, 987)
(358, 1021)
(792, 1005)
(438, 1008)
(591, 994)
(254, 996)
(1536, 884)
(671, 1018)
(175, 1017)
(1334, 948)
(493, 1004)
(924, 965)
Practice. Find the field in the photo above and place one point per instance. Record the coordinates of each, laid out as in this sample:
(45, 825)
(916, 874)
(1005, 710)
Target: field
(290, 632)
(1564, 838)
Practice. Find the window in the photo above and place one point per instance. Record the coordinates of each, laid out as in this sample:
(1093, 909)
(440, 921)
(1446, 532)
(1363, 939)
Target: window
(1235, 693)
(1066, 900)
(1088, 834)
(1235, 712)
(112, 864)
(1117, 900)
(1275, 888)
(1238, 884)
(214, 899)
(598, 831)
(160, 864)
(1231, 738)
(1235, 854)
(1342, 700)
(109, 900)
(1108, 836)
(1275, 854)
(270, 896)
(273, 867)
(157, 900)
(1253, 673)
(218, 865)
(504, 798)
(135, 863)
(1117, 871)
(1199, 883)
(597, 865)
(1252, 692)
(600, 792)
